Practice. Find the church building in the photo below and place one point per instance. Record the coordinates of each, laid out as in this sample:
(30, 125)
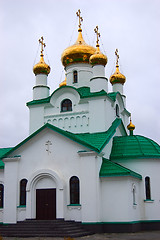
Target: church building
(81, 160)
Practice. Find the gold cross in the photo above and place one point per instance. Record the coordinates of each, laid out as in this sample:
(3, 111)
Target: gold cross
(98, 35)
(42, 45)
(80, 18)
(116, 53)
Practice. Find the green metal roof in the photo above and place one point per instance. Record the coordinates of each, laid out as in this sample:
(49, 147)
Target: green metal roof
(84, 92)
(111, 169)
(127, 147)
(2, 152)
(93, 141)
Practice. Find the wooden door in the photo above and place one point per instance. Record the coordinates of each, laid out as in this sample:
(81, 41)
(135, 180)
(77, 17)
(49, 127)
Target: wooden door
(46, 204)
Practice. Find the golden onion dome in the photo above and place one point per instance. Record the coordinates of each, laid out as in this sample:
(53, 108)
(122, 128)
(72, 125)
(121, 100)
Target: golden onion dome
(41, 67)
(64, 83)
(131, 126)
(79, 52)
(117, 77)
(98, 58)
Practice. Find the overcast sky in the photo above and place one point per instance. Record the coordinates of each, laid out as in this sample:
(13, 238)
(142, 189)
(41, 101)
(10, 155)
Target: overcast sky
(132, 26)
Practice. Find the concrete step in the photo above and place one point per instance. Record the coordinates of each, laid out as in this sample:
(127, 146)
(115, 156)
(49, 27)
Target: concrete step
(44, 228)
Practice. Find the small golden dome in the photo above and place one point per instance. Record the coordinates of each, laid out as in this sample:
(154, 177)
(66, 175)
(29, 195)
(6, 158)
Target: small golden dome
(131, 126)
(79, 52)
(98, 58)
(64, 83)
(41, 67)
(117, 77)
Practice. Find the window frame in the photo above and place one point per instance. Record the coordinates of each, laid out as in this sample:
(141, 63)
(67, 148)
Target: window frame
(74, 185)
(22, 197)
(1, 195)
(147, 188)
(75, 76)
(66, 105)
(117, 110)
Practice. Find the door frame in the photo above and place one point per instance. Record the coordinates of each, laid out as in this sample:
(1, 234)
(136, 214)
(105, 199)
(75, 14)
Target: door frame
(42, 211)
(31, 192)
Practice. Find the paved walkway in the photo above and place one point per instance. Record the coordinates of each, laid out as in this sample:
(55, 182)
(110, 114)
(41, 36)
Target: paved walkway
(153, 235)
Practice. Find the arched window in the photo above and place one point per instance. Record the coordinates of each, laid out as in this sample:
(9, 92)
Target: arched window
(75, 77)
(74, 190)
(147, 186)
(66, 105)
(23, 184)
(1, 195)
(117, 110)
(134, 194)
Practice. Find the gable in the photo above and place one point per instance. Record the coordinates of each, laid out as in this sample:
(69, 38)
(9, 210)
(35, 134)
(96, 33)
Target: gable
(93, 141)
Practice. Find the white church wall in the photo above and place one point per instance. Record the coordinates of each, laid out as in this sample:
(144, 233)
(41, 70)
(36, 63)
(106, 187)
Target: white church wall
(115, 193)
(99, 83)
(147, 167)
(11, 191)
(21, 213)
(89, 187)
(97, 115)
(84, 74)
(36, 118)
(134, 197)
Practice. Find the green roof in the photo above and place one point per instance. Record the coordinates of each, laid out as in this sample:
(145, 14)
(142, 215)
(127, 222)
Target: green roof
(84, 92)
(39, 101)
(111, 169)
(93, 141)
(127, 147)
(3, 151)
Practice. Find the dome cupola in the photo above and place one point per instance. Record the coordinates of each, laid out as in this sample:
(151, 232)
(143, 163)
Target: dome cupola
(41, 67)
(79, 52)
(131, 127)
(117, 77)
(98, 58)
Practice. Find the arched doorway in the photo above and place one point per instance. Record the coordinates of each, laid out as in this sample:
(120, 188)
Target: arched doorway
(44, 196)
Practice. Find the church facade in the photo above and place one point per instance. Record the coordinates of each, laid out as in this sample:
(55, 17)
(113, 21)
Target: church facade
(81, 160)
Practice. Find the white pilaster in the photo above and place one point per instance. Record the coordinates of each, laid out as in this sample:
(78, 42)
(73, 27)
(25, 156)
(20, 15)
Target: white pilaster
(10, 190)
